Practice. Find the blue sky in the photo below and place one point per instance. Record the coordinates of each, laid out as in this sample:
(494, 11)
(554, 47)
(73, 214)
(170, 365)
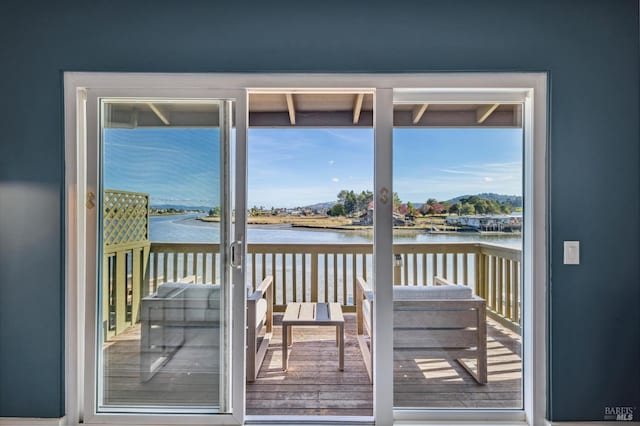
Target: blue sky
(305, 166)
(297, 167)
(175, 166)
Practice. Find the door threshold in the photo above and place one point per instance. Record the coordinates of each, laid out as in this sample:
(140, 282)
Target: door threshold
(309, 420)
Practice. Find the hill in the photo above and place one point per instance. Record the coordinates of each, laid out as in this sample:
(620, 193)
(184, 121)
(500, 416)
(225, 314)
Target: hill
(321, 206)
(514, 200)
(179, 207)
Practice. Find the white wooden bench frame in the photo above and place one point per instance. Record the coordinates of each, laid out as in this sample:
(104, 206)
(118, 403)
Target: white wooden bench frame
(153, 358)
(256, 352)
(461, 324)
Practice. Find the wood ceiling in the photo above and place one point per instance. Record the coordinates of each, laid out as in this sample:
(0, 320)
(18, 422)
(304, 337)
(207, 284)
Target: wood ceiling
(288, 109)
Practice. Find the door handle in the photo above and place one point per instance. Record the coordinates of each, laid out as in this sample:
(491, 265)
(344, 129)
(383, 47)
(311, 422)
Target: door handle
(235, 254)
(91, 198)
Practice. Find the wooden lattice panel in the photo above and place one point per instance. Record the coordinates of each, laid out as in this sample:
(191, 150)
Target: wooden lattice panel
(125, 217)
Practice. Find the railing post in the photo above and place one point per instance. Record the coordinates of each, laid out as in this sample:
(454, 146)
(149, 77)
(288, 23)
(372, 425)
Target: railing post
(486, 278)
(314, 276)
(335, 278)
(478, 273)
(304, 277)
(326, 278)
(121, 291)
(146, 270)
(294, 276)
(106, 306)
(492, 282)
(284, 277)
(445, 266)
(516, 293)
(499, 285)
(275, 277)
(136, 281)
(175, 267)
(344, 279)
(354, 277)
(507, 288)
(397, 272)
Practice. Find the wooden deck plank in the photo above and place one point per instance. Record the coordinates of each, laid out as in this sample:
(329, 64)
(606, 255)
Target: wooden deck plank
(313, 385)
(446, 384)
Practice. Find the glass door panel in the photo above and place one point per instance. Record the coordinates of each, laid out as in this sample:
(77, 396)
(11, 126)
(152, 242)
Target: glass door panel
(164, 288)
(458, 216)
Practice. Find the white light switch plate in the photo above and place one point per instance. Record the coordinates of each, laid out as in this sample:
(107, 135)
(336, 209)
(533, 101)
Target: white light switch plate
(572, 252)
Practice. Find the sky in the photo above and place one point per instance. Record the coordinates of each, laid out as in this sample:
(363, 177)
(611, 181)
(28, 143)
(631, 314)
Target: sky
(299, 167)
(175, 165)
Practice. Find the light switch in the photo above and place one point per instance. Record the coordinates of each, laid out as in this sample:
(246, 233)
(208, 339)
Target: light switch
(572, 252)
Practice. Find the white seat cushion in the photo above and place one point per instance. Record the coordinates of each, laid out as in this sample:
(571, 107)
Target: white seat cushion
(167, 289)
(453, 291)
(198, 296)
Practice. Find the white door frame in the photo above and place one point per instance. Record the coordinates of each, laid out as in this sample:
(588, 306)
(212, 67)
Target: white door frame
(532, 86)
(90, 164)
(534, 252)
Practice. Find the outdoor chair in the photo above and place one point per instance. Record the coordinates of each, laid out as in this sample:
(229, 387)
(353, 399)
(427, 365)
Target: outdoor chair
(182, 313)
(441, 321)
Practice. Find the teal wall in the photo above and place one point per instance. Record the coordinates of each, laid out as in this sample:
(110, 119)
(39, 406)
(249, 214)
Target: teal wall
(589, 48)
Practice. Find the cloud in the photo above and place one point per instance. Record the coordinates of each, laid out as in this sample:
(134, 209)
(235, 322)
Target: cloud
(488, 179)
(331, 162)
(335, 179)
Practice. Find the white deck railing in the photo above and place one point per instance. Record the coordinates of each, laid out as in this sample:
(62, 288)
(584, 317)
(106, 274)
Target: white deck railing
(314, 272)
(328, 272)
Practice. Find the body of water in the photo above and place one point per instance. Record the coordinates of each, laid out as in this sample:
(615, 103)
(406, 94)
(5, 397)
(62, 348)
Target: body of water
(186, 228)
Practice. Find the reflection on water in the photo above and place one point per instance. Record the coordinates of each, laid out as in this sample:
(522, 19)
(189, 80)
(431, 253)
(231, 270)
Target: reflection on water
(186, 228)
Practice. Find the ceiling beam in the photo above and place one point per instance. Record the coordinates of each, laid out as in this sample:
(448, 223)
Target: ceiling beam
(357, 107)
(484, 112)
(291, 107)
(158, 112)
(418, 112)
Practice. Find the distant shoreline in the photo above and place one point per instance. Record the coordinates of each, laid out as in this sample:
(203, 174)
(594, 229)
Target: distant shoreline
(345, 224)
(167, 214)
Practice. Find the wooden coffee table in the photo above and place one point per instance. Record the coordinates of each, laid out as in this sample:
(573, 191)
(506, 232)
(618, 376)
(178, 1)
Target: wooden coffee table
(312, 314)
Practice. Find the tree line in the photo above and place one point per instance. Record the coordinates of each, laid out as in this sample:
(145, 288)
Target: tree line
(466, 206)
(350, 202)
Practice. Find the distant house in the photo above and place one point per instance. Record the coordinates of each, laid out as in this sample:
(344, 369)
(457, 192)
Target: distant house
(261, 212)
(366, 218)
(498, 223)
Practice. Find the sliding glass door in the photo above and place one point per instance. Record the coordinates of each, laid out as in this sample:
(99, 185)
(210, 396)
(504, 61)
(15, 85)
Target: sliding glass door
(458, 253)
(441, 314)
(160, 192)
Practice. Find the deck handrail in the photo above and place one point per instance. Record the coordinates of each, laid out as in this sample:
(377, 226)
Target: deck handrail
(328, 271)
(311, 272)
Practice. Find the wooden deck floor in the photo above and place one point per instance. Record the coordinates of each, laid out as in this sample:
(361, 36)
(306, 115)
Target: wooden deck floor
(313, 385)
(190, 378)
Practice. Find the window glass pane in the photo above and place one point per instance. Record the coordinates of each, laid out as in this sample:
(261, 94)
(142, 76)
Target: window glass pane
(310, 228)
(163, 331)
(458, 203)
